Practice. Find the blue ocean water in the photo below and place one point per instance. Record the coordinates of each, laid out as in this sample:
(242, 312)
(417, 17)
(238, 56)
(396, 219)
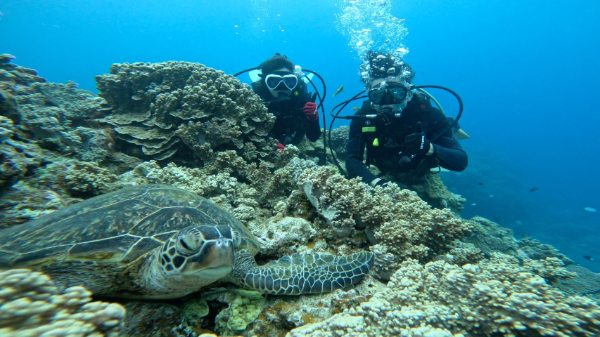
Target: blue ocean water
(527, 71)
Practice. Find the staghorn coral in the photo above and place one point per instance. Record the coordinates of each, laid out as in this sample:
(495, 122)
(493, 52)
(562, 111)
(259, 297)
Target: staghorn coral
(495, 296)
(399, 223)
(166, 108)
(32, 305)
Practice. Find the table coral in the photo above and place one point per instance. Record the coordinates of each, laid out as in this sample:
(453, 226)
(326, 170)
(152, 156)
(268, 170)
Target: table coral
(177, 107)
(495, 296)
(32, 305)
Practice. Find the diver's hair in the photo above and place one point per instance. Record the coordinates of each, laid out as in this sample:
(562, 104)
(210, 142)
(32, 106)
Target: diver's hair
(278, 61)
(377, 64)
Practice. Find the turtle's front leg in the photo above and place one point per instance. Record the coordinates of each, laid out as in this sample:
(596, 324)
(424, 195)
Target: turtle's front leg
(301, 273)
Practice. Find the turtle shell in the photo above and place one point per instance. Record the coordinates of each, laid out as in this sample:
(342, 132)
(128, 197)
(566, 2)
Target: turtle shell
(117, 227)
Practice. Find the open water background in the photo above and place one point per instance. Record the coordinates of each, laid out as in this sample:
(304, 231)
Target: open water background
(527, 71)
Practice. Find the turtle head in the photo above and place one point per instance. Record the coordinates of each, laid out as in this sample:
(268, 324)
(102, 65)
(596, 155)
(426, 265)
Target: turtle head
(205, 252)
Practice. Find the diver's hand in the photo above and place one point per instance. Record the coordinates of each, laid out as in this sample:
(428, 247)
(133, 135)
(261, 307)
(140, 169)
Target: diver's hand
(311, 112)
(379, 182)
(417, 143)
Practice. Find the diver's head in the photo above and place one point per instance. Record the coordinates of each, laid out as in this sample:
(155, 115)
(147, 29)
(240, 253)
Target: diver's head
(389, 94)
(387, 79)
(278, 75)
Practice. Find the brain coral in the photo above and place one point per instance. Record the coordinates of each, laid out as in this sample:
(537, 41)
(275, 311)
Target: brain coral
(169, 108)
(495, 297)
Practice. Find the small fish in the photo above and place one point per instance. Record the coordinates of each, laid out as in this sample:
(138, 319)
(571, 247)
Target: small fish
(589, 209)
(340, 89)
(51, 101)
(473, 204)
(533, 189)
(525, 235)
(356, 108)
(480, 184)
(587, 257)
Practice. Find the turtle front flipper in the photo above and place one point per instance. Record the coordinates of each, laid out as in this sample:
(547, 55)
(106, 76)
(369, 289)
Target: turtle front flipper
(301, 273)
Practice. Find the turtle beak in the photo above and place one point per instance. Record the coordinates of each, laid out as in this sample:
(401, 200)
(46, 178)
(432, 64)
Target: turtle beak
(215, 257)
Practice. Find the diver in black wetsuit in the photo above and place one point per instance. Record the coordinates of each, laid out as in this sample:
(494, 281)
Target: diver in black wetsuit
(287, 98)
(398, 140)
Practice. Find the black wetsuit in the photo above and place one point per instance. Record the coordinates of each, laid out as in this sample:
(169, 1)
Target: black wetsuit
(291, 124)
(448, 152)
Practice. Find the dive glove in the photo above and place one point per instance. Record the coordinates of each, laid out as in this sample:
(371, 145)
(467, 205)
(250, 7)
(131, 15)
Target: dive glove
(310, 110)
(417, 143)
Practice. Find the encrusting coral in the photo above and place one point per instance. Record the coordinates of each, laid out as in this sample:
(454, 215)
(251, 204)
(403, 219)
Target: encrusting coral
(495, 296)
(32, 305)
(166, 108)
(398, 222)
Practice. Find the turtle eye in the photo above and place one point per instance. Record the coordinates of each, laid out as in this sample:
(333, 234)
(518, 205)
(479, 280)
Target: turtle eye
(189, 242)
(183, 244)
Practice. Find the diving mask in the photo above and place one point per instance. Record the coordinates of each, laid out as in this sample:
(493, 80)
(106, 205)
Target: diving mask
(388, 93)
(290, 81)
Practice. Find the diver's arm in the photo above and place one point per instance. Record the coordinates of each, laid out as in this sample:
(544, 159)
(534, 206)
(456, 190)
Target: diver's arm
(313, 130)
(355, 150)
(454, 159)
(446, 148)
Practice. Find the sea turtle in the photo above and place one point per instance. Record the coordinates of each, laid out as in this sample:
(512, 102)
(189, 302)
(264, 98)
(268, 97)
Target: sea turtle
(156, 241)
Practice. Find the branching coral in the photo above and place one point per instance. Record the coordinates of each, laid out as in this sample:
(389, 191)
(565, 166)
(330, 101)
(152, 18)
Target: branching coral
(339, 139)
(496, 296)
(87, 178)
(402, 224)
(177, 107)
(32, 305)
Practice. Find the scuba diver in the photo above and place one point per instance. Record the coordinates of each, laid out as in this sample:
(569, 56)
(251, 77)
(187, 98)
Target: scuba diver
(409, 135)
(286, 96)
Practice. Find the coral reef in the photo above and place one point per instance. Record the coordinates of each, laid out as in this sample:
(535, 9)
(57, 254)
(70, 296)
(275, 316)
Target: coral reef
(536, 250)
(176, 107)
(401, 224)
(32, 305)
(193, 127)
(430, 188)
(339, 140)
(490, 237)
(587, 283)
(282, 236)
(495, 296)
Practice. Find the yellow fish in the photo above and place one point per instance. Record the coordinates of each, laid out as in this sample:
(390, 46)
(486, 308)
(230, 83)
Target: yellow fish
(340, 89)
(356, 108)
